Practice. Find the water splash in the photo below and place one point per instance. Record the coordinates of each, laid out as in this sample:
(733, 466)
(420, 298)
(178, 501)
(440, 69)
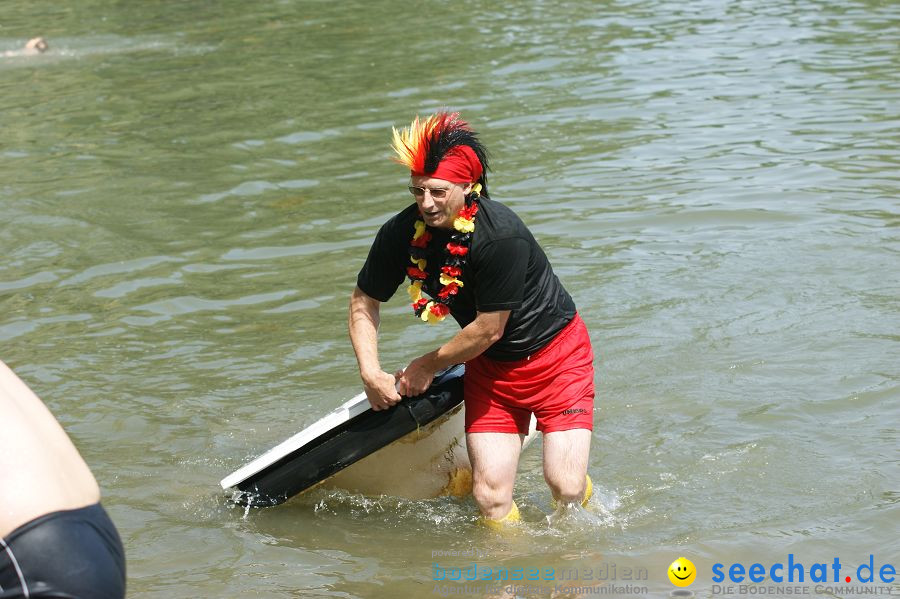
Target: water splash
(572, 517)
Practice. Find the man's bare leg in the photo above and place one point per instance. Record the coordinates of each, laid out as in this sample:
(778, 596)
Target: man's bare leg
(494, 458)
(565, 463)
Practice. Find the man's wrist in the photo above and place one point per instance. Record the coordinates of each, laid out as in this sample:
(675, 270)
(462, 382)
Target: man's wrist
(432, 361)
(369, 375)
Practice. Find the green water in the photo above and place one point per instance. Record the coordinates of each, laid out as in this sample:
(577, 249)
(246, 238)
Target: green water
(188, 189)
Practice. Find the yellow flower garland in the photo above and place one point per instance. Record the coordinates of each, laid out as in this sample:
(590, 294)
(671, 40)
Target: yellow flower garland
(435, 310)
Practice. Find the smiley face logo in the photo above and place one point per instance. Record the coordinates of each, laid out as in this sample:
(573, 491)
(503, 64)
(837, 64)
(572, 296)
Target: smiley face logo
(682, 572)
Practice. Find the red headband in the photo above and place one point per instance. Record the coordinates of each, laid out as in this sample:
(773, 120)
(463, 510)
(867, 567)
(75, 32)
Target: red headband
(460, 165)
(443, 138)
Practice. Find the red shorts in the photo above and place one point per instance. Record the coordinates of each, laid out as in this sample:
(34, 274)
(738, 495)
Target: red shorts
(556, 383)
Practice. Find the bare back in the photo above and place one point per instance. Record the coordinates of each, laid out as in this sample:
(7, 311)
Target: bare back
(41, 471)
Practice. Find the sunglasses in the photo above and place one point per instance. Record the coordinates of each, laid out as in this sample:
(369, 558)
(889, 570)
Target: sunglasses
(437, 193)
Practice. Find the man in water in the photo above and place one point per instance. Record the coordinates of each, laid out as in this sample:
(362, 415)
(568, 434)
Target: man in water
(34, 46)
(526, 349)
(56, 540)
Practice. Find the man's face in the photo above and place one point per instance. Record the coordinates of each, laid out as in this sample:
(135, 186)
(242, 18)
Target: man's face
(439, 212)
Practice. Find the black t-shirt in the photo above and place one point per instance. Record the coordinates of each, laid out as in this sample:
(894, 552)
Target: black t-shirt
(506, 269)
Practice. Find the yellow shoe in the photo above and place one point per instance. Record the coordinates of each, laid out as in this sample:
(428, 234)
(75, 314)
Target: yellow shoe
(588, 490)
(500, 524)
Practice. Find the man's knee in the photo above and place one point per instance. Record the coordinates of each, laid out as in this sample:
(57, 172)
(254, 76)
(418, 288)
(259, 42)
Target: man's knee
(491, 490)
(493, 495)
(566, 486)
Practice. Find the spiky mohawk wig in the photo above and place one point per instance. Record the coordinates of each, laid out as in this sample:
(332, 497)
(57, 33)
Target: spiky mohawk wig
(425, 144)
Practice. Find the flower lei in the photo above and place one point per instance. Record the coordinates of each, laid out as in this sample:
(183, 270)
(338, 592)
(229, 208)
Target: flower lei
(434, 310)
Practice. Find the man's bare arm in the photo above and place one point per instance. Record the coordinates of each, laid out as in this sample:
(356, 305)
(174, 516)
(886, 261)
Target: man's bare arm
(470, 342)
(365, 316)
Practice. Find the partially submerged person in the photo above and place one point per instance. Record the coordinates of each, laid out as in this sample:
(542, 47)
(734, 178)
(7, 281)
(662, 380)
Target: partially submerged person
(56, 540)
(526, 349)
(34, 46)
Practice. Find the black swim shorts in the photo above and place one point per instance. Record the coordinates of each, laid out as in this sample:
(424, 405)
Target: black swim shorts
(67, 554)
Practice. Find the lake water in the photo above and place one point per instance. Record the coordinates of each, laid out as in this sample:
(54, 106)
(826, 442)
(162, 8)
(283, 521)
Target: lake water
(188, 189)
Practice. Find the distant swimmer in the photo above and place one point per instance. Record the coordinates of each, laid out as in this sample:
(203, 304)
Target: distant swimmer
(34, 46)
(56, 540)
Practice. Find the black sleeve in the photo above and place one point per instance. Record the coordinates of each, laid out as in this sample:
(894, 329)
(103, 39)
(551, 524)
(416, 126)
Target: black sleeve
(386, 264)
(500, 275)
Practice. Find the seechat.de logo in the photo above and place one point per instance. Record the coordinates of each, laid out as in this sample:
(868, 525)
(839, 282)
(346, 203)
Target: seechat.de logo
(795, 571)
